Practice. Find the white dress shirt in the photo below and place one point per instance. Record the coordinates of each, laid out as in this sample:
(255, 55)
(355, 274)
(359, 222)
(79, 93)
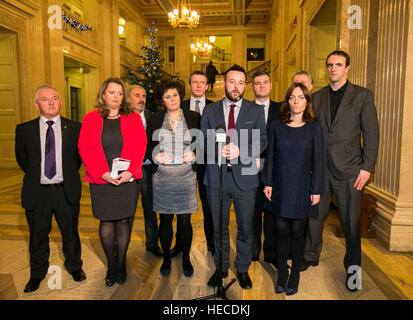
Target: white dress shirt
(227, 108)
(202, 102)
(142, 114)
(57, 128)
(266, 105)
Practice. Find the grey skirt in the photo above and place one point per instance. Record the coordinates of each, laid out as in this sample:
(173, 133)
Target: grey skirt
(174, 189)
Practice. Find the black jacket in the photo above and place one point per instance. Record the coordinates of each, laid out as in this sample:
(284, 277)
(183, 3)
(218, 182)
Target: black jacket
(28, 156)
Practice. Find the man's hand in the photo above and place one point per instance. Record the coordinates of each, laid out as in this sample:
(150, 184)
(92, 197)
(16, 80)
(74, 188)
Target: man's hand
(260, 163)
(315, 198)
(230, 151)
(362, 179)
(268, 192)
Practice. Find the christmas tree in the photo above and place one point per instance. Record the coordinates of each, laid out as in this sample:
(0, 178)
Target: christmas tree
(151, 72)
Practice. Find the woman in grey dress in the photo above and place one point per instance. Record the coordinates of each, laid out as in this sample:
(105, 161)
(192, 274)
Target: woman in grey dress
(174, 170)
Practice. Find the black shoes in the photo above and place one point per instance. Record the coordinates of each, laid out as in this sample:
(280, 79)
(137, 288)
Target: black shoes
(110, 281)
(78, 275)
(244, 280)
(175, 250)
(166, 268)
(32, 285)
(211, 248)
(156, 251)
(121, 278)
(307, 264)
(215, 280)
(188, 270)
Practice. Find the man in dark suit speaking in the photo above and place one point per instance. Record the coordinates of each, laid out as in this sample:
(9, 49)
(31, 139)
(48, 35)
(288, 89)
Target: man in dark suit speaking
(46, 150)
(246, 139)
(348, 117)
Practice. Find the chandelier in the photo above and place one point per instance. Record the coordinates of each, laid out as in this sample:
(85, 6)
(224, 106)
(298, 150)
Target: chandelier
(183, 17)
(201, 48)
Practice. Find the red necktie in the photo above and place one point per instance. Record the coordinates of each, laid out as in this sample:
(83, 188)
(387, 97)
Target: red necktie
(231, 124)
(231, 121)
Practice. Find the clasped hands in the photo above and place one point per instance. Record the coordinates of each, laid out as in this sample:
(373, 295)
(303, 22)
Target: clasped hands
(125, 176)
(163, 158)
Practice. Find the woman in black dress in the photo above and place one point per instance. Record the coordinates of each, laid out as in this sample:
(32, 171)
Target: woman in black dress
(293, 176)
(113, 130)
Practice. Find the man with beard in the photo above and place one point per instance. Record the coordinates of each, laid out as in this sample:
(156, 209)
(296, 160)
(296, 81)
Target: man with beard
(246, 139)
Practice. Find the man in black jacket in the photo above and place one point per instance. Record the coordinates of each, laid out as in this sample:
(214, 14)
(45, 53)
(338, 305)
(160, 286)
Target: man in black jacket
(261, 85)
(348, 117)
(137, 96)
(46, 150)
(198, 85)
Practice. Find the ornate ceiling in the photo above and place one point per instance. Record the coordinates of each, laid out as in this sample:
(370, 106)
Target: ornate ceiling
(213, 13)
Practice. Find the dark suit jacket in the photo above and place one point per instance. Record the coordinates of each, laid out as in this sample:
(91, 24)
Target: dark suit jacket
(192, 119)
(356, 117)
(251, 116)
(186, 104)
(28, 156)
(273, 114)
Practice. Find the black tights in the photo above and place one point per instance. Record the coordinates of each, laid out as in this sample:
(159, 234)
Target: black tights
(290, 231)
(166, 233)
(115, 237)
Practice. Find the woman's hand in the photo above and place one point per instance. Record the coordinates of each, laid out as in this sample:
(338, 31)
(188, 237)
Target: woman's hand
(268, 192)
(125, 176)
(315, 198)
(162, 158)
(107, 178)
(188, 157)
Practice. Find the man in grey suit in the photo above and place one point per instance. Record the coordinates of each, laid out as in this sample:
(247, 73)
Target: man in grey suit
(347, 114)
(246, 139)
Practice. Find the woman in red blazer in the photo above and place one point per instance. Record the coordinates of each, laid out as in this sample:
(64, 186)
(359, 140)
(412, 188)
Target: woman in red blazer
(113, 131)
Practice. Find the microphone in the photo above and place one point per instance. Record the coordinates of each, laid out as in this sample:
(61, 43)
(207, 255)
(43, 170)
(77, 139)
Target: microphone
(220, 139)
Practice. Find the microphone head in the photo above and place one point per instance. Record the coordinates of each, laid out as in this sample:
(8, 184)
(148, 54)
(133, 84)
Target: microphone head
(220, 133)
(220, 127)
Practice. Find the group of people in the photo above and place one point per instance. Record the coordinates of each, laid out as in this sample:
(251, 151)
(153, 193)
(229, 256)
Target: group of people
(279, 165)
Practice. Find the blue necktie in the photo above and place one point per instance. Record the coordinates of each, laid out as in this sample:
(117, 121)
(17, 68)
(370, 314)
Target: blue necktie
(50, 152)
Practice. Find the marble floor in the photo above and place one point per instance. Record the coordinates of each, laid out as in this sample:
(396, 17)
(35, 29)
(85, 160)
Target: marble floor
(385, 275)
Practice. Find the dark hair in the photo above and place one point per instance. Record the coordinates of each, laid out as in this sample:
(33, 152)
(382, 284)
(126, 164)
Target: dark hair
(260, 73)
(285, 113)
(198, 73)
(166, 85)
(235, 67)
(340, 53)
(124, 108)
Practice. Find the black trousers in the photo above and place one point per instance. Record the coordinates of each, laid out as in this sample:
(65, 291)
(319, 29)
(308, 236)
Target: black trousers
(349, 205)
(53, 201)
(144, 187)
(268, 224)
